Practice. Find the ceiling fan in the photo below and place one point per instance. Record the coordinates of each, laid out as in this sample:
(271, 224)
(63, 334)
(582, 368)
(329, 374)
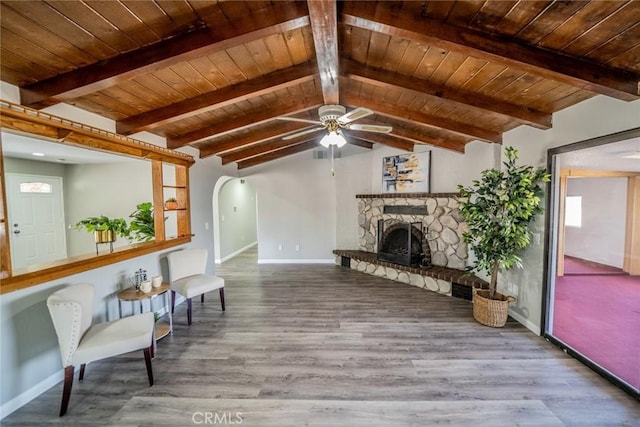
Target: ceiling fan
(334, 118)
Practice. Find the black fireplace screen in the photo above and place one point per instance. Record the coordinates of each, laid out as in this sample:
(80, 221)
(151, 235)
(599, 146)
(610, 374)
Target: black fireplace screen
(402, 243)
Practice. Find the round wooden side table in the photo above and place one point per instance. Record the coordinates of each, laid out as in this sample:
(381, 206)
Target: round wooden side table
(133, 296)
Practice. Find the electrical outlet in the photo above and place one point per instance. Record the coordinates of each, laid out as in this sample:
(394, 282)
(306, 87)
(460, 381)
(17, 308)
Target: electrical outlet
(280, 248)
(206, 225)
(297, 248)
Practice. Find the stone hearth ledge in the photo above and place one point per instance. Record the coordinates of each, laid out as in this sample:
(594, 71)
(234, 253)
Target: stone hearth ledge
(435, 278)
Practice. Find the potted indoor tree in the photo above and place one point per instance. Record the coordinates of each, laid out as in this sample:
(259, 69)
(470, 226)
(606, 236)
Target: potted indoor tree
(498, 209)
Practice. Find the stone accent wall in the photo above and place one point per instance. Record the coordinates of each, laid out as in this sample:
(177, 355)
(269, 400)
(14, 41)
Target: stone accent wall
(442, 225)
(436, 285)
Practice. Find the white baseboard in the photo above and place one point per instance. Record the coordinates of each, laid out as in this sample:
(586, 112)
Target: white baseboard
(297, 261)
(25, 397)
(238, 252)
(525, 322)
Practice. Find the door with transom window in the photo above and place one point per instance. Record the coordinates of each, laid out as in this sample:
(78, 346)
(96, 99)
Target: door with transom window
(36, 219)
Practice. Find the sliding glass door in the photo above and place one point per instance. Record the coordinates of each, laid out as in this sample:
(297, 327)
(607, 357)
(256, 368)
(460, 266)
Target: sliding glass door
(593, 274)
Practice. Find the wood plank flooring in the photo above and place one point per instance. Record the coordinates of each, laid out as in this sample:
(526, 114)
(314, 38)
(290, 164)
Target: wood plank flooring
(322, 345)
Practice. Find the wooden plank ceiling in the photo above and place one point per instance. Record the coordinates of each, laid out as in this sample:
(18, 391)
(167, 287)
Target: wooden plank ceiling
(217, 75)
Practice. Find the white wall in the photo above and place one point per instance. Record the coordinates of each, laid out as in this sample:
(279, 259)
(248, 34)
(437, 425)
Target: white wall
(448, 168)
(299, 200)
(202, 179)
(111, 189)
(296, 206)
(601, 237)
(353, 176)
(237, 211)
(595, 117)
(34, 167)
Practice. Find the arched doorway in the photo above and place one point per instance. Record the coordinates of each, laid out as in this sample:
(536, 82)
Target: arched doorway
(234, 217)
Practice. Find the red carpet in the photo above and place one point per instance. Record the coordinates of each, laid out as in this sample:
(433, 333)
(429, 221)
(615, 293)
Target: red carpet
(599, 316)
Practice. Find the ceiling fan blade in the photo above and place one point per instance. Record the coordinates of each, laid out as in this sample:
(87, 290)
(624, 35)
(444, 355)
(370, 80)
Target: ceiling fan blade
(354, 115)
(295, 119)
(302, 132)
(370, 128)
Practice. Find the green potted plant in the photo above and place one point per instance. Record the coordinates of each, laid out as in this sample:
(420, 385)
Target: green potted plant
(142, 226)
(106, 229)
(498, 209)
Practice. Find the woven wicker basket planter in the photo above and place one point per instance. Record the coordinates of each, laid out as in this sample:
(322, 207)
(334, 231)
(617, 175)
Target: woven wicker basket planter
(491, 312)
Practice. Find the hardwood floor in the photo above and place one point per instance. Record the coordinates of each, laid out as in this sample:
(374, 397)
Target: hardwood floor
(324, 345)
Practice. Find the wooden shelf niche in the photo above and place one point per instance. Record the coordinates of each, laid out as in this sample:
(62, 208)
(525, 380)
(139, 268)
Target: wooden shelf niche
(171, 180)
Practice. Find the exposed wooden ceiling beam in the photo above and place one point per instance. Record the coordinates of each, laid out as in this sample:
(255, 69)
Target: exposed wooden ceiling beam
(259, 86)
(280, 128)
(387, 79)
(382, 138)
(323, 15)
(360, 142)
(281, 18)
(262, 148)
(385, 18)
(412, 136)
(254, 161)
(423, 119)
(436, 142)
(241, 122)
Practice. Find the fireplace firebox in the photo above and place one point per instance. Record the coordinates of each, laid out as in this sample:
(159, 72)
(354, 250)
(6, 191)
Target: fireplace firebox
(403, 243)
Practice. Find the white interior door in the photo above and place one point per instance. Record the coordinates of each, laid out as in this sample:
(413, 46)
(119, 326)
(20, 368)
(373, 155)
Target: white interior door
(36, 219)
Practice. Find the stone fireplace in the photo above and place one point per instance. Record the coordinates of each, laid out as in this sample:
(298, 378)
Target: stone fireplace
(414, 239)
(438, 213)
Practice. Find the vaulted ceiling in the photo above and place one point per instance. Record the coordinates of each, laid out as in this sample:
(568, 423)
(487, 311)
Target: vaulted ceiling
(217, 75)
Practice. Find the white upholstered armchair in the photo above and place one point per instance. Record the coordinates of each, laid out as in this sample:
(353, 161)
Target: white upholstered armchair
(187, 277)
(71, 310)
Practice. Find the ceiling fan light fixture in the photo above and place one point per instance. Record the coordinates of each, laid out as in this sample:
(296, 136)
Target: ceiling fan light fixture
(333, 138)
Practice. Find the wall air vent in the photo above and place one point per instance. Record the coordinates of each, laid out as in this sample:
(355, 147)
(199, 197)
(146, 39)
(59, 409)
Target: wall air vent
(324, 154)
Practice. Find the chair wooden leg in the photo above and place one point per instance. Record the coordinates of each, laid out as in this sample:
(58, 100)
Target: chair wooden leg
(222, 297)
(147, 360)
(173, 301)
(82, 371)
(189, 311)
(66, 389)
(202, 298)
